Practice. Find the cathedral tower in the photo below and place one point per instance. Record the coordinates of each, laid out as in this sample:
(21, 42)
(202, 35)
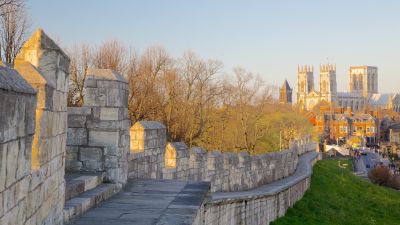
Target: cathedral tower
(305, 83)
(285, 94)
(327, 82)
(363, 80)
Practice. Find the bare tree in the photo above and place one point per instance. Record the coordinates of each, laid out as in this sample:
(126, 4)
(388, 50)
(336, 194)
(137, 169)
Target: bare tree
(144, 75)
(111, 55)
(190, 97)
(81, 59)
(13, 28)
(7, 6)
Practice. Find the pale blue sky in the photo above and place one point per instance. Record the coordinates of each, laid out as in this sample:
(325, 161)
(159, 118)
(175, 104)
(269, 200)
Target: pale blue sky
(269, 38)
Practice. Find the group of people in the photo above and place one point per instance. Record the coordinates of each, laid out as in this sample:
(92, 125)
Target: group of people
(356, 154)
(392, 166)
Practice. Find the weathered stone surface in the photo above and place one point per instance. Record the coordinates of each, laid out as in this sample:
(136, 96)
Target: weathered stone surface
(109, 113)
(94, 154)
(77, 136)
(12, 156)
(76, 121)
(81, 111)
(106, 75)
(73, 165)
(107, 127)
(3, 164)
(103, 138)
(33, 159)
(92, 165)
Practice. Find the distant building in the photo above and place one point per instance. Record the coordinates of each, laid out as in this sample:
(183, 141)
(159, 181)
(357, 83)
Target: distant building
(363, 89)
(285, 94)
(342, 127)
(394, 134)
(385, 101)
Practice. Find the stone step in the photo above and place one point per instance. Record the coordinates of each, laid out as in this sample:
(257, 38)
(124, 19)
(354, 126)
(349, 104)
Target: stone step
(77, 183)
(78, 205)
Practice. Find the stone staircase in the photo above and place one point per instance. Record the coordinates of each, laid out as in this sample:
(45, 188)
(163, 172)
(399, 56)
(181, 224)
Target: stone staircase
(84, 191)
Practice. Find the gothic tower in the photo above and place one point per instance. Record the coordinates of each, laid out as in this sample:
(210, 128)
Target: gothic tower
(305, 84)
(285, 94)
(327, 82)
(363, 80)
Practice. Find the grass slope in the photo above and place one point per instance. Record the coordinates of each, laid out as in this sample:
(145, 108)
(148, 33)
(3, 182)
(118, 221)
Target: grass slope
(338, 197)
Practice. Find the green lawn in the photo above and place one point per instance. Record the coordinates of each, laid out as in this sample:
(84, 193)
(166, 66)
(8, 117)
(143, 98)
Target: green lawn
(337, 196)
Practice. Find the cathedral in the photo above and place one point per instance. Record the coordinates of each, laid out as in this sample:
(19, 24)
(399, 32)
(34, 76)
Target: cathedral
(362, 89)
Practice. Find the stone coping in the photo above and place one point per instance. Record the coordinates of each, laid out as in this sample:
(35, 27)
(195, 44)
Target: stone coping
(104, 74)
(303, 170)
(11, 80)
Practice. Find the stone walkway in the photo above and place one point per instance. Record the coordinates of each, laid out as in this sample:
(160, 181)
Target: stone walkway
(150, 202)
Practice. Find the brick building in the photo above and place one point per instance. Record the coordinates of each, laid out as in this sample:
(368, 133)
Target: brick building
(341, 127)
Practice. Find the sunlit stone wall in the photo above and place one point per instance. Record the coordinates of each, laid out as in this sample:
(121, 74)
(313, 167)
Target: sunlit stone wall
(152, 157)
(98, 132)
(33, 159)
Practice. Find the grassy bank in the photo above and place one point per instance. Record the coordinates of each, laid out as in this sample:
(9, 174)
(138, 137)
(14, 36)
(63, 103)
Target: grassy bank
(338, 197)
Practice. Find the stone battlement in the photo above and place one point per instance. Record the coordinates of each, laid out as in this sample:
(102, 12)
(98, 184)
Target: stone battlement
(152, 157)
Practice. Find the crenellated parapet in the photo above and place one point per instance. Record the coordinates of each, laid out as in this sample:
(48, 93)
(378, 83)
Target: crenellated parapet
(305, 68)
(152, 157)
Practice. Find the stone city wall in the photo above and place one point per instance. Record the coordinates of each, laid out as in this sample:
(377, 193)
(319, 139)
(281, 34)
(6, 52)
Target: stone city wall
(98, 132)
(152, 157)
(257, 210)
(33, 134)
(264, 204)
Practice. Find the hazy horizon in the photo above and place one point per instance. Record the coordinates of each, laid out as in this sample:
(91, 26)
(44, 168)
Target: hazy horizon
(266, 38)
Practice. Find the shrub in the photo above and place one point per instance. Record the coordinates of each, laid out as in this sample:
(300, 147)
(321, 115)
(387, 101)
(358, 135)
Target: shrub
(379, 175)
(394, 182)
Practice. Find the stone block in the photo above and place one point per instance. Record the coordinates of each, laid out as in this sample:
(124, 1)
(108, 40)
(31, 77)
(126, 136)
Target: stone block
(111, 162)
(95, 97)
(3, 164)
(1, 205)
(103, 125)
(9, 198)
(103, 138)
(22, 188)
(79, 111)
(61, 81)
(214, 160)
(73, 165)
(77, 136)
(109, 113)
(91, 83)
(124, 140)
(123, 114)
(23, 160)
(114, 98)
(93, 166)
(76, 121)
(87, 153)
(12, 165)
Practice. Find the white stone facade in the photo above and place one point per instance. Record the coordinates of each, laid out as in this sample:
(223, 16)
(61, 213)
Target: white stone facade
(363, 86)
